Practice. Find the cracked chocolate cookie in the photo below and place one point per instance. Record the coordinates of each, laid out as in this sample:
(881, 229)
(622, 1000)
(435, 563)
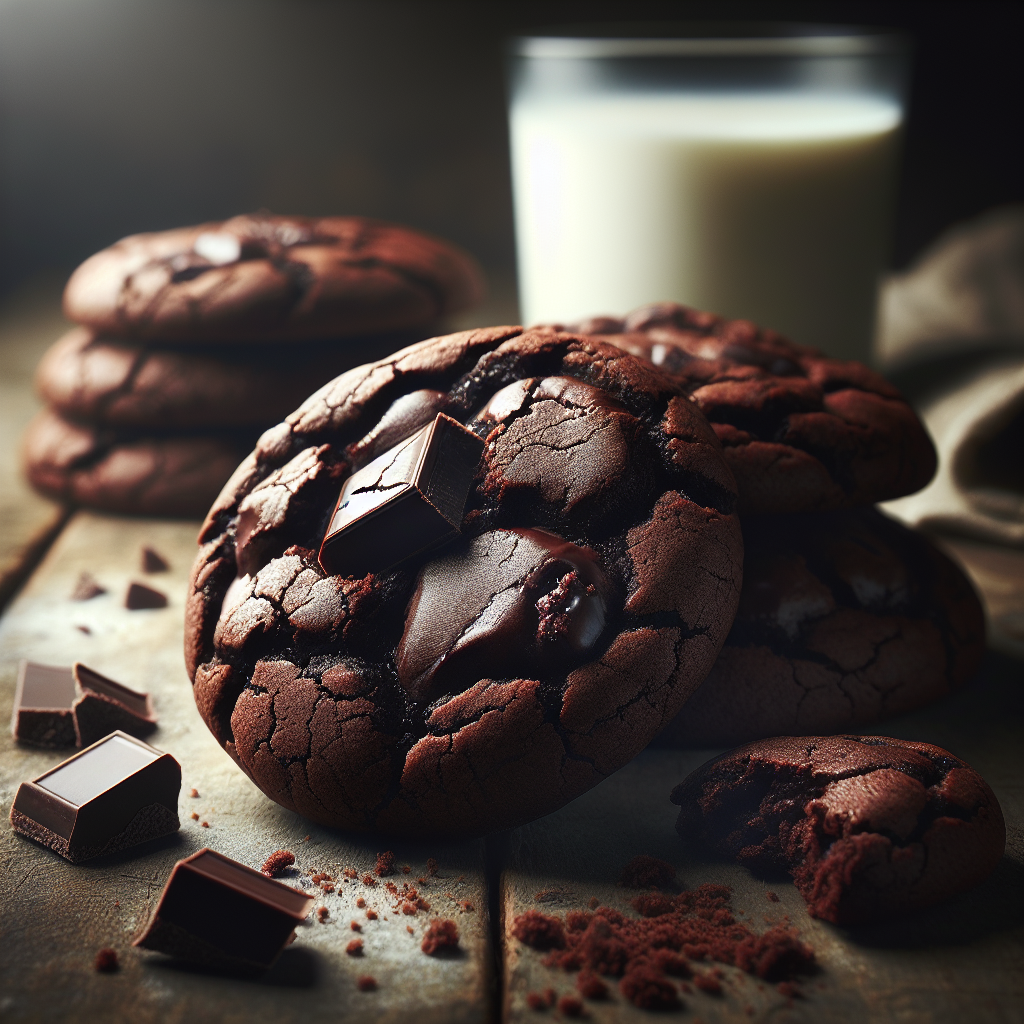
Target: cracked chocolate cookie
(801, 432)
(264, 277)
(845, 618)
(118, 383)
(869, 827)
(502, 660)
(126, 472)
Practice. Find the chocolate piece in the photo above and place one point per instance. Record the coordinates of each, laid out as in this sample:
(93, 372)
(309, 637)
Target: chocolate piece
(43, 698)
(141, 596)
(73, 707)
(524, 599)
(218, 912)
(153, 561)
(115, 794)
(104, 706)
(404, 502)
(86, 588)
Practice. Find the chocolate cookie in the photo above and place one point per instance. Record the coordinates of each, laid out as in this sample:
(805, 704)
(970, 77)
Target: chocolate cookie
(264, 277)
(566, 616)
(845, 618)
(869, 827)
(121, 383)
(131, 474)
(801, 432)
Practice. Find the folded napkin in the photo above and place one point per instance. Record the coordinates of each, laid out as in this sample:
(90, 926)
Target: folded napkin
(951, 332)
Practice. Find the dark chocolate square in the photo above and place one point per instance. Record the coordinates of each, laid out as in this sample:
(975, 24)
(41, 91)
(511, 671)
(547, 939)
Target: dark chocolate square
(404, 502)
(220, 913)
(113, 795)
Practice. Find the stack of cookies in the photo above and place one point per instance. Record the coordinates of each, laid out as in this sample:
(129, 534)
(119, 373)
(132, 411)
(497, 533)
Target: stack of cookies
(846, 617)
(192, 342)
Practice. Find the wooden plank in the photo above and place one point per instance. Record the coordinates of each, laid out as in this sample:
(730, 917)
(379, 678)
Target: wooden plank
(954, 963)
(30, 322)
(54, 917)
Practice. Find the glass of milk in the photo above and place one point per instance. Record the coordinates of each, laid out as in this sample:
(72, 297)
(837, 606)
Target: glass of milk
(751, 175)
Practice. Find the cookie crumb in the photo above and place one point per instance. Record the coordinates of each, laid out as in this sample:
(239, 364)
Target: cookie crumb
(442, 933)
(593, 903)
(153, 561)
(385, 864)
(371, 915)
(360, 902)
(369, 880)
(194, 816)
(204, 824)
(432, 867)
(772, 896)
(322, 913)
(590, 986)
(106, 961)
(193, 792)
(708, 983)
(140, 596)
(276, 863)
(355, 926)
(84, 629)
(541, 1000)
(86, 588)
(305, 839)
(647, 989)
(366, 983)
(355, 947)
(644, 871)
(406, 869)
(409, 929)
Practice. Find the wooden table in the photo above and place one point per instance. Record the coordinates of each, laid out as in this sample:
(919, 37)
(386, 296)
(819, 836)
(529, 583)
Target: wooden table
(959, 962)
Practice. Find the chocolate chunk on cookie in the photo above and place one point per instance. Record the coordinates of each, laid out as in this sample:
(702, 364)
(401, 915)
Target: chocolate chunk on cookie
(581, 596)
(266, 277)
(117, 383)
(801, 432)
(129, 473)
(869, 827)
(845, 618)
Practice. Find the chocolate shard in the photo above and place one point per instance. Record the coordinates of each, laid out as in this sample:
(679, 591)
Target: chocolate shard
(103, 706)
(74, 707)
(111, 796)
(153, 561)
(404, 502)
(222, 914)
(43, 699)
(141, 596)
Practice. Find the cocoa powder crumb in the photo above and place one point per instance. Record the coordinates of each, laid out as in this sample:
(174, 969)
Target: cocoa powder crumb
(644, 871)
(371, 915)
(369, 880)
(442, 933)
(322, 913)
(355, 947)
(204, 824)
(194, 816)
(385, 864)
(193, 792)
(106, 961)
(539, 930)
(409, 909)
(360, 902)
(355, 926)
(276, 863)
(590, 986)
(366, 983)
(571, 1006)
(647, 989)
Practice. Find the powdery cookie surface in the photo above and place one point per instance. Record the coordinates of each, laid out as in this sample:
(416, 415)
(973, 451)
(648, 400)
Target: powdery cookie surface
(266, 277)
(845, 618)
(869, 827)
(119, 383)
(801, 432)
(128, 473)
(500, 676)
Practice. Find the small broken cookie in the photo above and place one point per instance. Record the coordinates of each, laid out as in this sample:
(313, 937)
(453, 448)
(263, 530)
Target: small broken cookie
(869, 827)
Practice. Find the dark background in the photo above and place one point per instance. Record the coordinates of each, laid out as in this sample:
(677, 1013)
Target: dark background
(119, 116)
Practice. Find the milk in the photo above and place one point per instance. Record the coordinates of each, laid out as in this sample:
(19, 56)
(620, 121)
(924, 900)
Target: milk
(770, 206)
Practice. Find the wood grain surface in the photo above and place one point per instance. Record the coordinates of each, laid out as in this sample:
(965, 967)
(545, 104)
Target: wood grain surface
(54, 917)
(30, 322)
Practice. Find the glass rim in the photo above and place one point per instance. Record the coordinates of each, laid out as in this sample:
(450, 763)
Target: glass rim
(819, 44)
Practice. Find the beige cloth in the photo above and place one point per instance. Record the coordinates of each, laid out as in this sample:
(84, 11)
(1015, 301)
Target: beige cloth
(966, 295)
